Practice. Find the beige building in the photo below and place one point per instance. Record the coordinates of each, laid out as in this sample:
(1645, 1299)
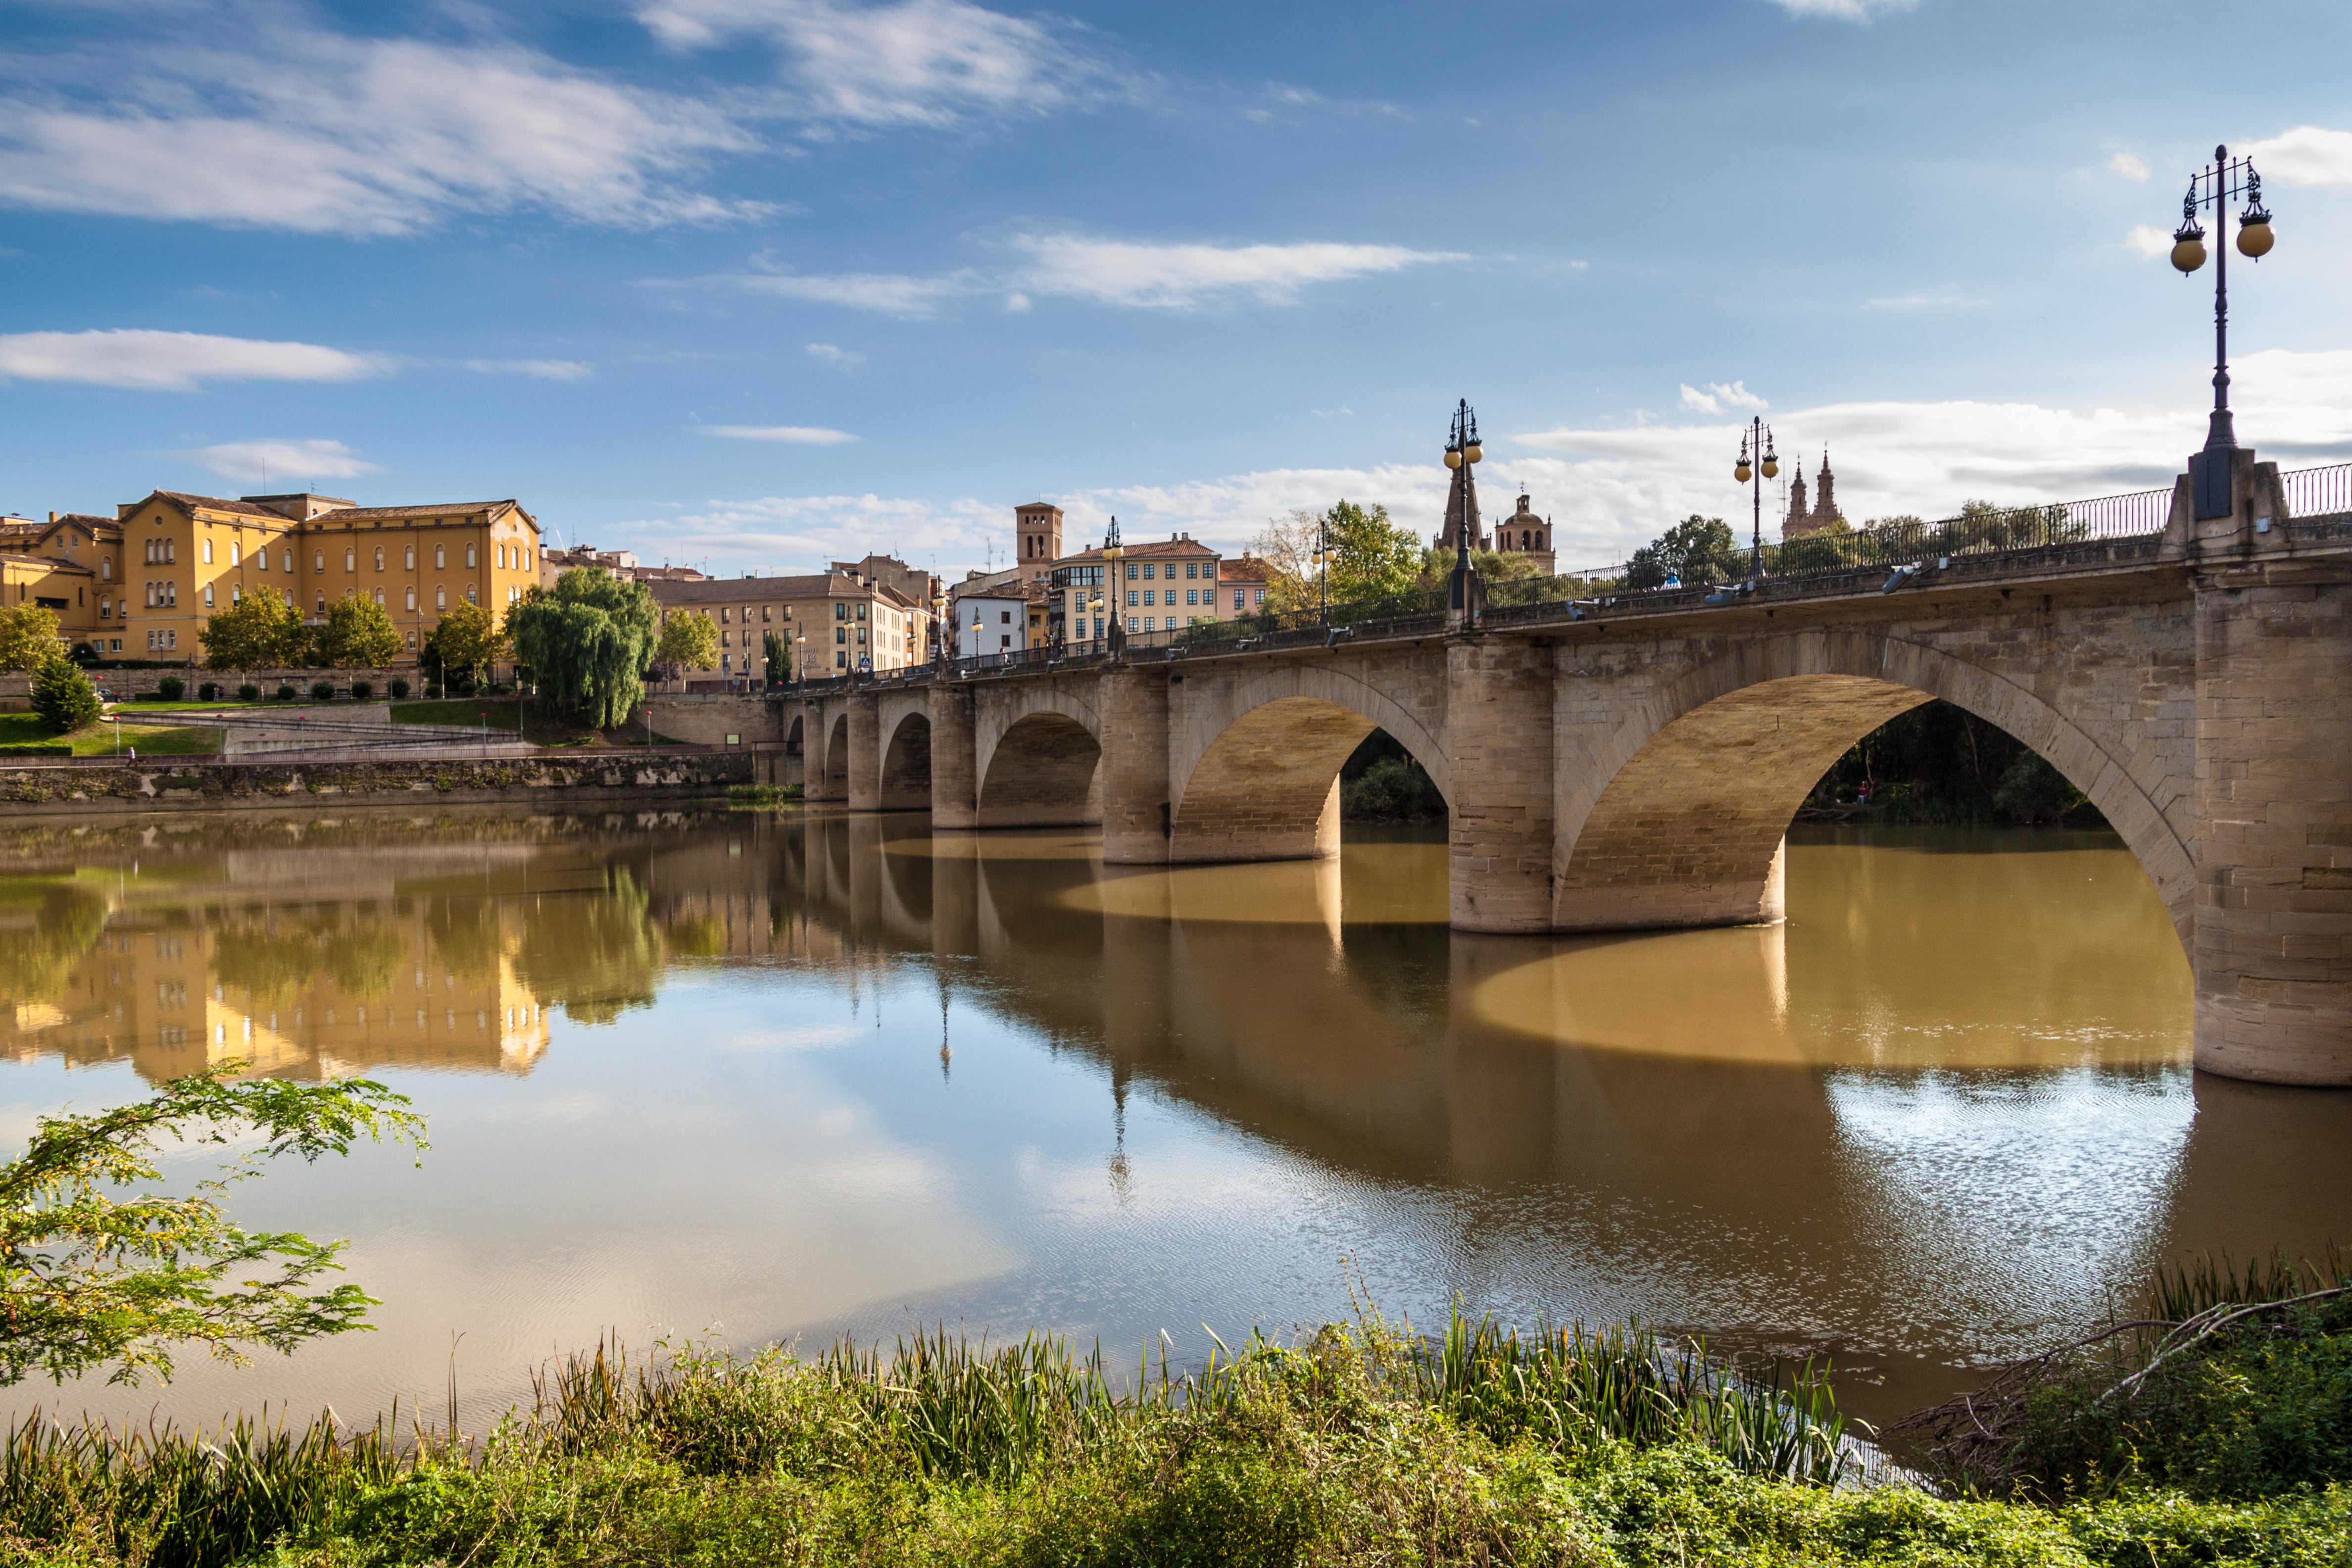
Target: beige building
(554, 563)
(143, 582)
(1824, 514)
(835, 624)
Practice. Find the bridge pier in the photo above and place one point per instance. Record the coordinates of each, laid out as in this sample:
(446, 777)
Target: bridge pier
(2273, 945)
(955, 768)
(1498, 702)
(864, 752)
(1133, 772)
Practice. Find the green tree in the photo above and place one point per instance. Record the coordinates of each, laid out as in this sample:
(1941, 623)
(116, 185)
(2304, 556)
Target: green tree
(771, 650)
(28, 636)
(62, 694)
(588, 642)
(1371, 556)
(689, 640)
(467, 638)
(358, 634)
(260, 631)
(1698, 550)
(92, 1280)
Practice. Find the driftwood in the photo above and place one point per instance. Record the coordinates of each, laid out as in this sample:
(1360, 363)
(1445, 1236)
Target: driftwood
(1970, 1442)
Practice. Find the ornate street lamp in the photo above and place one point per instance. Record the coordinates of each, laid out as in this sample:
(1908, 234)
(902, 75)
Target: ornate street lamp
(1464, 593)
(1322, 556)
(2216, 185)
(939, 624)
(1756, 441)
(1112, 555)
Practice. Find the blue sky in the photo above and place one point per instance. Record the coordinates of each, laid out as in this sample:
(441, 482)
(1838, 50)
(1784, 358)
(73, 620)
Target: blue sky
(766, 282)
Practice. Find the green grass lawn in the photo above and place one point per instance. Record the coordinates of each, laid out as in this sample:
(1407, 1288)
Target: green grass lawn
(541, 726)
(99, 739)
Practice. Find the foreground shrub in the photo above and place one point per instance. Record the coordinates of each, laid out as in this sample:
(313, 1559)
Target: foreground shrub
(171, 689)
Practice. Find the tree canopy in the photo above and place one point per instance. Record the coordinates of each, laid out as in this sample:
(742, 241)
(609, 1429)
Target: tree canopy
(1372, 556)
(689, 640)
(28, 636)
(589, 641)
(88, 1279)
(358, 634)
(62, 694)
(467, 638)
(779, 662)
(1698, 550)
(260, 631)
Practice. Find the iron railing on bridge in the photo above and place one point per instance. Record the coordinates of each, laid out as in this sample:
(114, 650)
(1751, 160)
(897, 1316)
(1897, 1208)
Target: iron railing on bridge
(1979, 531)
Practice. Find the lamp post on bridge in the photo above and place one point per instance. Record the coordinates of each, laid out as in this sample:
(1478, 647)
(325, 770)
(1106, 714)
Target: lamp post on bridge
(1756, 442)
(2216, 185)
(1463, 592)
(1113, 553)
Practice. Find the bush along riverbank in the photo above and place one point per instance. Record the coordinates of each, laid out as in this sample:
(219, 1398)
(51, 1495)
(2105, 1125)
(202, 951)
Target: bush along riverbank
(1360, 1445)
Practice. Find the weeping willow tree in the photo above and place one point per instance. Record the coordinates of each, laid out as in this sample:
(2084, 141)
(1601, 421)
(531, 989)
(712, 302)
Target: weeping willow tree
(588, 642)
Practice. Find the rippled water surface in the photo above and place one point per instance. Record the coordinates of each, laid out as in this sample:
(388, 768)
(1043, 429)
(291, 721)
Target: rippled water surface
(778, 1077)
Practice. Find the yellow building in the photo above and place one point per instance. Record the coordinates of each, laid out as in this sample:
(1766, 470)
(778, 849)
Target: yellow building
(830, 625)
(146, 580)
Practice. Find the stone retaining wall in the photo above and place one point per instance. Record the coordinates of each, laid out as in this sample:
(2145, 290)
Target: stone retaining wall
(708, 719)
(540, 784)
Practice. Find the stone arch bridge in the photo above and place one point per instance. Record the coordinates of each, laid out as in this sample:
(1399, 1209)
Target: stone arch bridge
(1637, 764)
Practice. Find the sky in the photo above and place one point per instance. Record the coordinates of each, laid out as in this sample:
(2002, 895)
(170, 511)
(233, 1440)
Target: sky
(759, 284)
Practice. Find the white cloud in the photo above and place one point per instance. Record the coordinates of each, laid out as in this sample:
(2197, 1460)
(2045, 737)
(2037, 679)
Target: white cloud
(790, 434)
(1717, 397)
(1187, 277)
(919, 62)
(2150, 240)
(2306, 155)
(172, 362)
(256, 461)
(320, 133)
(893, 293)
(1846, 10)
(788, 534)
(539, 369)
(2130, 166)
(833, 354)
(1611, 490)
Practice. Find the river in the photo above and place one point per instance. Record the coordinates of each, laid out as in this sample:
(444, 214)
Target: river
(762, 1076)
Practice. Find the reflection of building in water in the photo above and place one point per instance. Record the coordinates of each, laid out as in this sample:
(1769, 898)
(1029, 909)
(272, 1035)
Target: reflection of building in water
(296, 994)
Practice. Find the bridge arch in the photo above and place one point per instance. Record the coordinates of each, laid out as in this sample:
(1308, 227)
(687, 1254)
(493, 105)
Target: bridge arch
(1257, 771)
(1675, 815)
(835, 774)
(1037, 756)
(907, 762)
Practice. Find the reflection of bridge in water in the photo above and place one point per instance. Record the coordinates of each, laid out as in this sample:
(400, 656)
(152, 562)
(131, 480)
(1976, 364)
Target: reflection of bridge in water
(1380, 1049)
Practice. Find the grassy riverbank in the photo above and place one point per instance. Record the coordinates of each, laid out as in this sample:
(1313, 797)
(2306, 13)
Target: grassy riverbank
(1362, 1446)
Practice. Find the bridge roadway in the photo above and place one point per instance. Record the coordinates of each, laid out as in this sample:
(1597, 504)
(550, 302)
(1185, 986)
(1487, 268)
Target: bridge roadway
(1637, 765)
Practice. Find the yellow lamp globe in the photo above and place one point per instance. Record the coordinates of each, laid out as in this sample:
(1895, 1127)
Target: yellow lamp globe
(1473, 453)
(2189, 249)
(1740, 473)
(1772, 468)
(2254, 236)
(1453, 458)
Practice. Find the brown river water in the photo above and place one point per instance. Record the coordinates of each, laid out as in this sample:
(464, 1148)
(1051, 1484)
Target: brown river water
(766, 1076)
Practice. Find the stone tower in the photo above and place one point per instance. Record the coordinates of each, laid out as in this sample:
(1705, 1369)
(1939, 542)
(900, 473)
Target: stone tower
(1447, 534)
(1823, 513)
(1038, 539)
(1526, 532)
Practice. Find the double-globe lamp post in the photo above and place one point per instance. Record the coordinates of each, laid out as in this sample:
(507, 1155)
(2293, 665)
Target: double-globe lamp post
(1757, 443)
(1462, 453)
(2216, 185)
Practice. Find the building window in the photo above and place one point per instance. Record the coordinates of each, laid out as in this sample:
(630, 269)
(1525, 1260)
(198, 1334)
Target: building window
(408, 558)
(171, 639)
(261, 559)
(105, 607)
(841, 633)
(726, 639)
(411, 642)
(441, 598)
(286, 560)
(1191, 569)
(208, 596)
(1132, 624)
(117, 648)
(1237, 599)
(412, 598)
(469, 594)
(437, 552)
(841, 661)
(379, 598)
(763, 611)
(106, 570)
(322, 604)
(351, 558)
(470, 555)
(236, 552)
(379, 557)
(208, 552)
(1260, 596)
